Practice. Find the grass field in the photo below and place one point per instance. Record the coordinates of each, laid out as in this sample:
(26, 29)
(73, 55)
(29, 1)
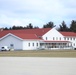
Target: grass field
(40, 53)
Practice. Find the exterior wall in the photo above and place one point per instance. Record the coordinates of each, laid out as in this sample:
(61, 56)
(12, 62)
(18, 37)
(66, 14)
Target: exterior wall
(54, 35)
(31, 44)
(8, 40)
(71, 39)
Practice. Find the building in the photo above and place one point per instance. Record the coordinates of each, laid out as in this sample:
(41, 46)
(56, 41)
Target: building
(35, 39)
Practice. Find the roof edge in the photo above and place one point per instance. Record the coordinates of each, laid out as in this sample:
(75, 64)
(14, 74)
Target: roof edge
(11, 35)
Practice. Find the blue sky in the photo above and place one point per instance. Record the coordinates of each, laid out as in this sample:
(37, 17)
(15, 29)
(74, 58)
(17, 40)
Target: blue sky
(37, 12)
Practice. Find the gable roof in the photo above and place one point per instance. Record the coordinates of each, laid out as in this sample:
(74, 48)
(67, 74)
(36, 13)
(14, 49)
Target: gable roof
(32, 33)
(68, 33)
(11, 35)
(26, 33)
(26, 36)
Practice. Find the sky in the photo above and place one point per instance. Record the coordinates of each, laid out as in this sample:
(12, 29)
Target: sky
(37, 12)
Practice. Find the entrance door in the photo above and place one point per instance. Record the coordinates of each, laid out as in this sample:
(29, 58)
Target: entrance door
(11, 46)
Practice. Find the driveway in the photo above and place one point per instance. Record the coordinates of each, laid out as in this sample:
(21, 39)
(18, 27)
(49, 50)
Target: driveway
(37, 66)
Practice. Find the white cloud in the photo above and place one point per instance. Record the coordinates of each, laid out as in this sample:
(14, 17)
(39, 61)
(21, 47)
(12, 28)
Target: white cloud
(37, 12)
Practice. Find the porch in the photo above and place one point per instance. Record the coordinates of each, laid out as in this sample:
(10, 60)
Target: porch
(51, 45)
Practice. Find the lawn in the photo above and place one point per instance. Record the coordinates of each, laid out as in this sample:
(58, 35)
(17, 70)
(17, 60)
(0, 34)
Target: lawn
(39, 53)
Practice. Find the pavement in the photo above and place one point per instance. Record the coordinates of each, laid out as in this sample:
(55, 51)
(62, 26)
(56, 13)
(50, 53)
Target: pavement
(37, 66)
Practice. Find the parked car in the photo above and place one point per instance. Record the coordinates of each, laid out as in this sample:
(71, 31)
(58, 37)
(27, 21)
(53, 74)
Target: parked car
(5, 48)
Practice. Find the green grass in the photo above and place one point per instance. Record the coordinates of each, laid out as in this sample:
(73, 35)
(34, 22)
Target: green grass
(39, 53)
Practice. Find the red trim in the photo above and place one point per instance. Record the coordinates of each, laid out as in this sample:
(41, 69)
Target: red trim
(56, 41)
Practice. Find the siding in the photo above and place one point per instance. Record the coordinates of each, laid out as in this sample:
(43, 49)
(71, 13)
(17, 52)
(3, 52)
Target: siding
(7, 41)
(33, 44)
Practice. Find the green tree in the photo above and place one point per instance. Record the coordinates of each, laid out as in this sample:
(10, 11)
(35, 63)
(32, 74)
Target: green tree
(73, 26)
(30, 26)
(14, 27)
(36, 27)
(6, 28)
(63, 27)
(10, 28)
(49, 25)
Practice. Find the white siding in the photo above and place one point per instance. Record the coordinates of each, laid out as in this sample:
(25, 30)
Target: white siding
(8, 40)
(53, 34)
(71, 39)
(26, 45)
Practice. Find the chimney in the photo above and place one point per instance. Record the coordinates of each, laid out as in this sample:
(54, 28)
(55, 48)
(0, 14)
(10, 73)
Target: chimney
(1, 29)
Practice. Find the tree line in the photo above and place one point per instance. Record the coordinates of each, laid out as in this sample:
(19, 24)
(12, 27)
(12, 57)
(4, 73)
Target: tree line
(62, 27)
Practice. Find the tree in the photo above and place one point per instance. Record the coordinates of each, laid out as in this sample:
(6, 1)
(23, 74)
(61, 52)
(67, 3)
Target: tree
(30, 26)
(73, 26)
(49, 25)
(10, 28)
(63, 27)
(36, 27)
(14, 27)
(5, 28)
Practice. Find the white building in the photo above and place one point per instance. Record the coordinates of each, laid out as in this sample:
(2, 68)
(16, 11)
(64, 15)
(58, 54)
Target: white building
(34, 39)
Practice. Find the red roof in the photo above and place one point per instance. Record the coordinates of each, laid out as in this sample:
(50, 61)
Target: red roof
(26, 33)
(32, 33)
(27, 36)
(68, 33)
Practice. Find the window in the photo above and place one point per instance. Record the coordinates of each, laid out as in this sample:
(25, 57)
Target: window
(29, 44)
(37, 44)
(74, 44)
(33, 44)
(67, 38)
(74, 38)
(60, 38)
(64, 43)
(71, 38)
(71, 44)
(53, 38)
(11, 45)
(46, 38)
(64, 38)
